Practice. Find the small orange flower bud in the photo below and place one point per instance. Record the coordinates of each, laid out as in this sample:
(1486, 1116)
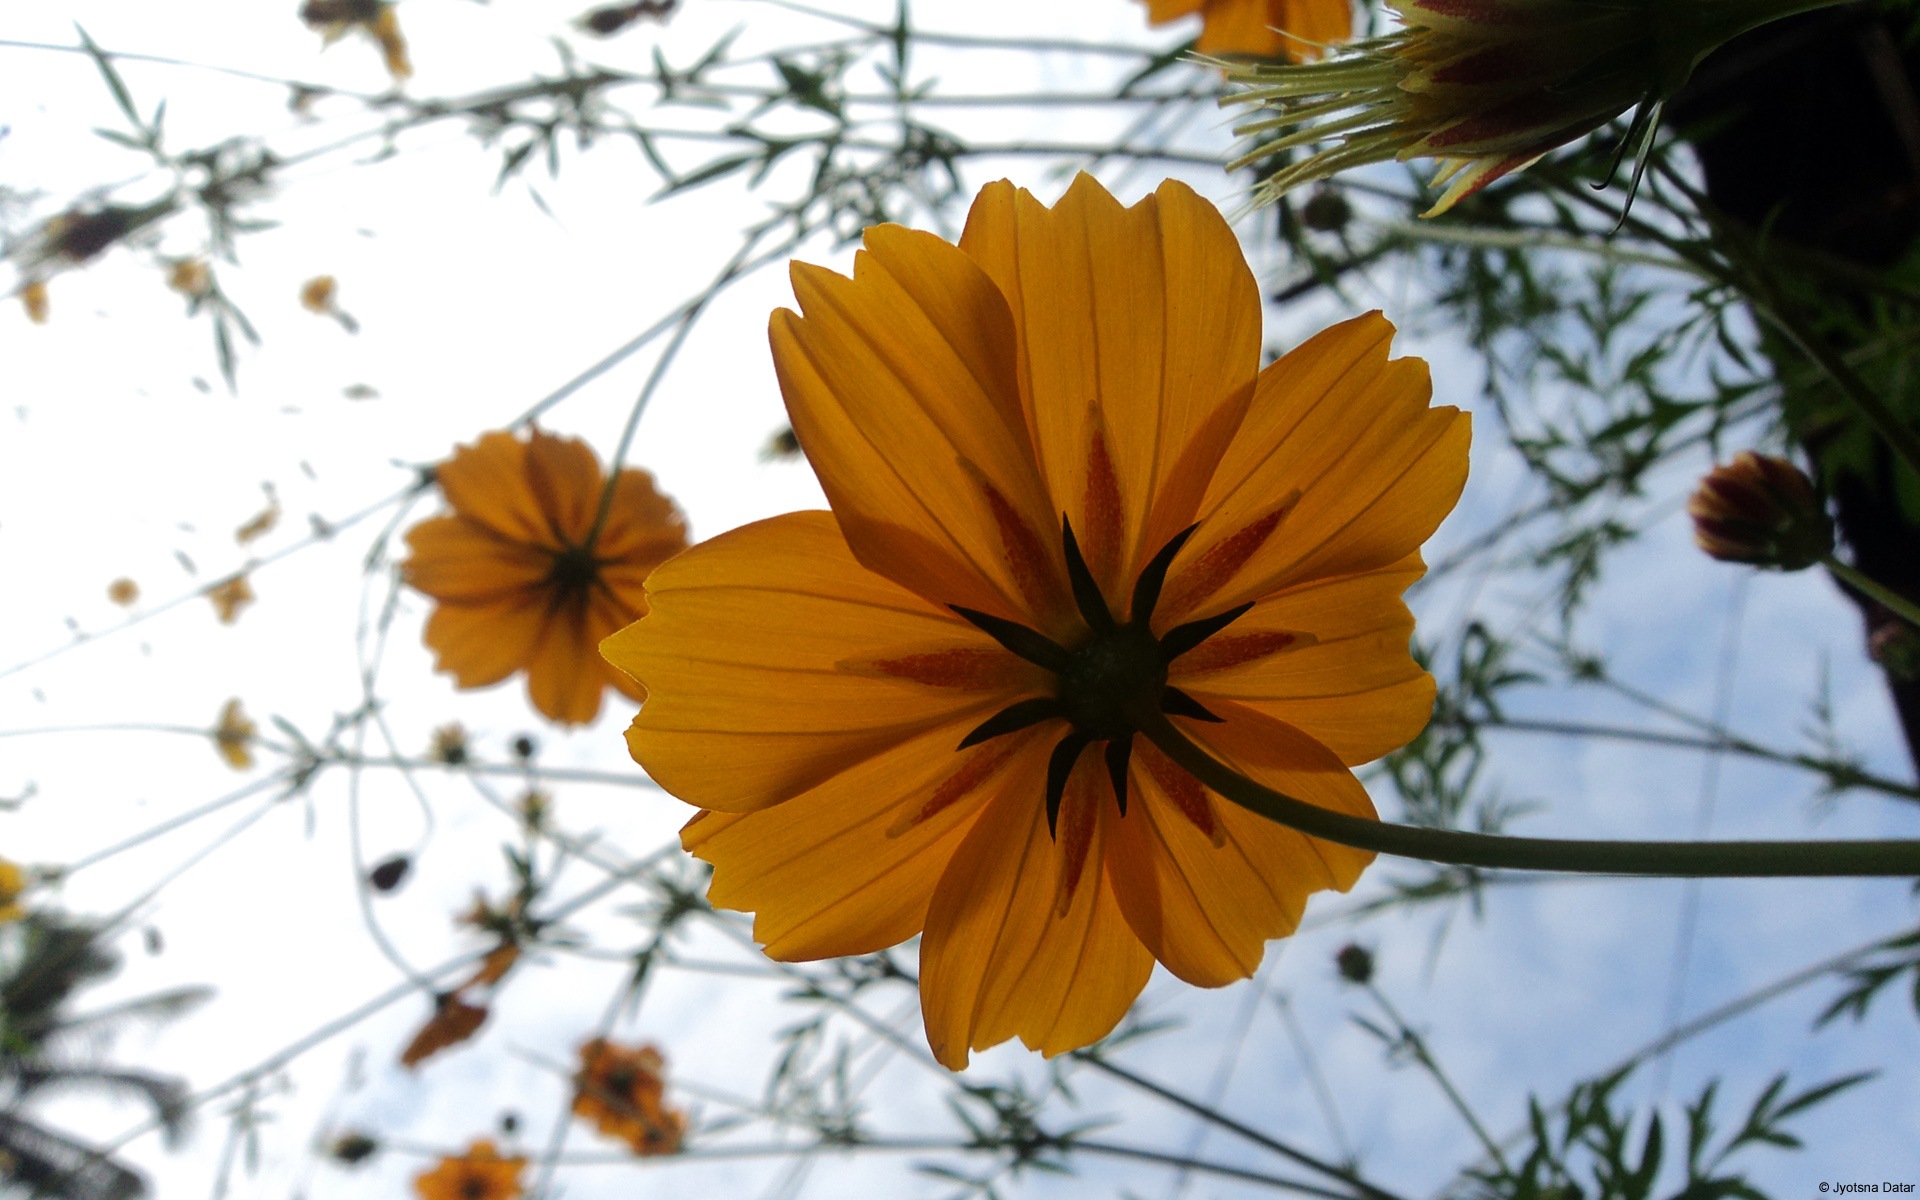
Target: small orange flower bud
(33, 297)
(233, 737)
(123, 592)
(190, 277)
(316, 294)
(1761, 510)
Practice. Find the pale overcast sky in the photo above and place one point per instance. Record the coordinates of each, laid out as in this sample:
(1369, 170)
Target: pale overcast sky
(124, 455)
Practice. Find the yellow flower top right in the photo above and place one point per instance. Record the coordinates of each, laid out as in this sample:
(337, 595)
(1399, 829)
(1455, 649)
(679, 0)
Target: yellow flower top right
(1292, 29)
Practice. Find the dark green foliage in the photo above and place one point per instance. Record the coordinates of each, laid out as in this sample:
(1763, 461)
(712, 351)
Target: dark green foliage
(44, 960)
(1591, 1147)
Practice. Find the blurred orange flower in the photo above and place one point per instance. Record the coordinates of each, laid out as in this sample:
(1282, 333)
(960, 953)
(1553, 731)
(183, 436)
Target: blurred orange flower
(621, 1089)
(1294, 29)
(521, 582)
(334, 19)
(479, 1174)
(229, 597)
(123, 591)
(233, 737)
(885, 709)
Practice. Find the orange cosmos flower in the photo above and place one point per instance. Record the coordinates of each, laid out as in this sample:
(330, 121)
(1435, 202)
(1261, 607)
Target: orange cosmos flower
(1295, 29)
(886, 710)
(621, 1089)
(479, 1174)
(521, 583)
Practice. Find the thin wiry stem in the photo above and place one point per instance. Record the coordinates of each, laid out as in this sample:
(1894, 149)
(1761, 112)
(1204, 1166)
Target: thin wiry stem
(1357, 1185)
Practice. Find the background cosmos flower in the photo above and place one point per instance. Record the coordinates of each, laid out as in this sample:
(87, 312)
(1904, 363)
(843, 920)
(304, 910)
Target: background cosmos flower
(809, 681)
(622, 1089)
(479, 1174)
(518, 587)
(1294, 29)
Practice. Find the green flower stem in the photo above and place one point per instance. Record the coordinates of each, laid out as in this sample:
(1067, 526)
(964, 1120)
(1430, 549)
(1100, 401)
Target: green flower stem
(1704, 860)
(1895, 603)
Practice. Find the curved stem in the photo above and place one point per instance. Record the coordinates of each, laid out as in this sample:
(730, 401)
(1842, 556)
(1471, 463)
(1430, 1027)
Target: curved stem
(1880, 594)
(1681, 859)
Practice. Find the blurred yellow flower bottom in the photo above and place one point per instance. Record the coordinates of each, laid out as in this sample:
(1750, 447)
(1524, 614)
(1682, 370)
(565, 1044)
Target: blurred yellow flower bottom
(1063, 491)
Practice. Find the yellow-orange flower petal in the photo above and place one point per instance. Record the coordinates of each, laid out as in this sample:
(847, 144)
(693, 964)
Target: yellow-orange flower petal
(909, 361)
(849, 866)
(1330, 658)
(1138, 340)
(1295, 29)
(1002, 957)
(792, 663)
(1206, 884)
(523, 582)
(810, 683)
(1340, 467)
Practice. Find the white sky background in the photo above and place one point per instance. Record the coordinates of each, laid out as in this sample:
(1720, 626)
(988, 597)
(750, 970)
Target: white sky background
(472, 307)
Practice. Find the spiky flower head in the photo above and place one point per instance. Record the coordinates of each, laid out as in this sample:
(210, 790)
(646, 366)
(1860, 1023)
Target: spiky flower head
(1487, 87)
(1761, 510)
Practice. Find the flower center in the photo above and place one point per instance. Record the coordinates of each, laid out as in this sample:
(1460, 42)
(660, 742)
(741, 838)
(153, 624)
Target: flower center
(574, 569)
(1102, 685)
(1106, 679)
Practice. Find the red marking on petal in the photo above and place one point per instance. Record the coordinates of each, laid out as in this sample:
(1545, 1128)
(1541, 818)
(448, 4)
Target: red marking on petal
(978, 767)
(1026, 558)
(1222, 561)
(966, 668)
(1219, 652)
(1189, 795)
(1074, 838)
(1100, 540)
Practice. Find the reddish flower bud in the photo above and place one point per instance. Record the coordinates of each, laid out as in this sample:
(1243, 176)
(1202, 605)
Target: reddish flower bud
(1761, 510)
